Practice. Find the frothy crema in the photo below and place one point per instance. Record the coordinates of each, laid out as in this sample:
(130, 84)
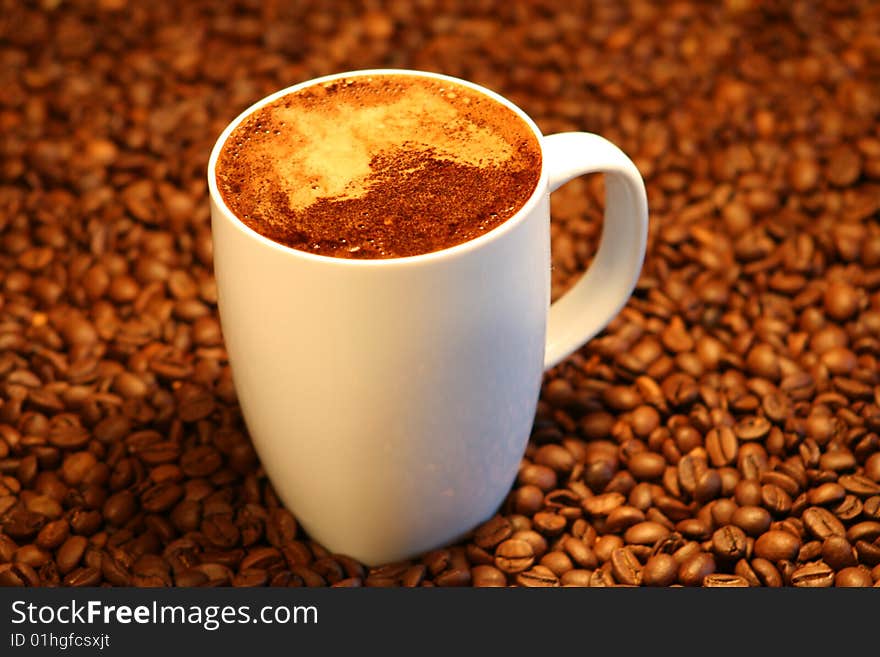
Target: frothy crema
(378, 167)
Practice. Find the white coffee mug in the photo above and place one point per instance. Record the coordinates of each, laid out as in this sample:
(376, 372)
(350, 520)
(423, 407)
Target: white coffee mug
(390, 401)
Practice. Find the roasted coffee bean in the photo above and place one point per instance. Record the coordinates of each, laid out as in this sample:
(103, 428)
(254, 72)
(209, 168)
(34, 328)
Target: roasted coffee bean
(840, 460)
(646, 465)
(119, 508)
(521, 522)
(720, 580)
(412, 576)
(254, 577)
(853, 577)
(115, 566)
(626, 567)
(566, 502)
(8, 548)
(458, 557)
(868, 553)
(622, 482)
(602, 505)
(722, 446)
(838, 552)
(528, 500)
(555, 457)
(686, 551)
(827, 493)
(660, 570)
(190, 577)
(748, 493)
(669, 545)
(752, 428)
(558, 562)
(387, 575)
(352, 568)
(487, 576)
(48, 574)
(598, 473)
(312, 579)
(601, 578)
(268, 558)
(538, 576)
(281, 527)
(849, 509)
(578, 578)
(493, 532)
(744, 569)
(708, 486)
(605, 545)
(821, 523)
(689, 470)
(622, 517)
(220, 531)
(695, 569)
(645, 419)
(641, 496)
(18, 574)
(200, 461)
(67, 433)
(538, 475)
(753, 520)
(437, 561)
(809, 551)
(150, 565)
(549, 524)
(477, 555)
(533, 538)
(813, 575)
(792, 525)
(729, 543)
(868, 530)
(809, 452)
(514, 556)
(52, 535)
(85, 522)
(859, 485)
(766, 572)
(871, 508)
(719, 512)
(784, 481)
(70, 553)
(186, 515)
(694, 528)
(23, 525)
(579, 553)
(454, 577)
(775, 500)
(161, 497)
(645, 533)
(776, 545)
(31, 555)
(872, 467)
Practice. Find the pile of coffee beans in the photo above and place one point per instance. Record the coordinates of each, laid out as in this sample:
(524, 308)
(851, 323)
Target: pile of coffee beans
(723, 431)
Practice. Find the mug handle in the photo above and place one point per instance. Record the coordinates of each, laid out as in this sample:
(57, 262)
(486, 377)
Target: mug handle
(604, 288)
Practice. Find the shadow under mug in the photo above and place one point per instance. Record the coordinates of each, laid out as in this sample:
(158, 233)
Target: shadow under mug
(391, 401)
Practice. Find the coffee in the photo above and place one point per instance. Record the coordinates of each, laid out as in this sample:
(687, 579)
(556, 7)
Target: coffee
(383, 166)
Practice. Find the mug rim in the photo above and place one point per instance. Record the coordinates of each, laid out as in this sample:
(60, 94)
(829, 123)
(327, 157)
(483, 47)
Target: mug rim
(448, 253)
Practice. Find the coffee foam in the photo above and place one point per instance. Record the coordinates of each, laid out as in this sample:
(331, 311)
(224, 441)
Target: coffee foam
(324, 168)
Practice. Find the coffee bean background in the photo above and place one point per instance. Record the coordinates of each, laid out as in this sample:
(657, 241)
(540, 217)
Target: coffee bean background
(723, 431)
